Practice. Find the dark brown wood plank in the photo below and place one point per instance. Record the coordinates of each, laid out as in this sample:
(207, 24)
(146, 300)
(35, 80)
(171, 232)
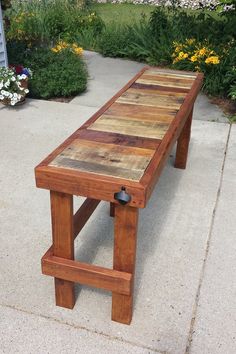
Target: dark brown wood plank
(87, 274)
(63, 243)
(119, 139)
(126, 223)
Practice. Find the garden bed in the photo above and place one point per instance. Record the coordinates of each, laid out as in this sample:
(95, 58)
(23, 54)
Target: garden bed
(196, 40)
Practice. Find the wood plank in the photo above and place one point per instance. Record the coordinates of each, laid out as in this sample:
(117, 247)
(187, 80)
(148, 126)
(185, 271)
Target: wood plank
(94, 117)
(100, 169)
(154, 91)
(154, 130)
(155, 167)
(165, 81)
(160, 88)
(83, 214)
(171, 73)
(140, 112)
(125, 227)
(119, 139)
(88, 185)
(109, 148)
(183, 144)
(87, 274)
(150, 100)
(63, 243)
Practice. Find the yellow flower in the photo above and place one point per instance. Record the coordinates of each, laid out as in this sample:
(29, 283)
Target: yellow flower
(78, 51)
(212, 60)
(202, 52)
(54, 50)
(182, 55)
(193, 58)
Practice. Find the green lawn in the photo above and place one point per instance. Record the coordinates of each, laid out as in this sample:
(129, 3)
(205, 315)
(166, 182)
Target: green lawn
(122, 13)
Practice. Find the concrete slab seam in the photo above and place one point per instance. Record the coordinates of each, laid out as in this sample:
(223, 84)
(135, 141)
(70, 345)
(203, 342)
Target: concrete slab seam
(107, 336)
(198, 293)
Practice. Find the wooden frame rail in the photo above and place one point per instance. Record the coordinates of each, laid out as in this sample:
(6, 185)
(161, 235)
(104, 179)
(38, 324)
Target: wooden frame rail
(86, 274)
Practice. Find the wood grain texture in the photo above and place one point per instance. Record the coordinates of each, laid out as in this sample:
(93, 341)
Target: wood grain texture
(105, 159)
(183, 144)
(155, 167)
(150, 100)
(125, 228)
(124, 124)
(87, 274)
(119, 139)
(63, 243)
(145, 129)
(83, 214)
(112, 210)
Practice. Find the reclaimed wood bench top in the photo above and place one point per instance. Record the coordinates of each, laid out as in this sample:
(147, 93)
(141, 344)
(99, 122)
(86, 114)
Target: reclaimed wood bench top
(127, 141)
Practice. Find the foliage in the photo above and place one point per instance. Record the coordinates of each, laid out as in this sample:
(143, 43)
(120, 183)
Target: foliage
(12, 84)
(5, 4)
(55, 74)
(44, 22)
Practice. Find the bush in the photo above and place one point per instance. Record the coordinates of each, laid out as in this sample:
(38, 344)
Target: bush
(42, 23)
(55, 74)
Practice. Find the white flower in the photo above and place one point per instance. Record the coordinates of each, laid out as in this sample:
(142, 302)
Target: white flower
(7, 83)
(1, 97)
(13, 78)
(1, 85)
(22, 77)
(26, 91)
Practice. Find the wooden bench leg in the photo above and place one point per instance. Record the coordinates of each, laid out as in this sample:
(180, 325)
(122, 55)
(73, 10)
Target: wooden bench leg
(183, 144)
(112, 209)
(126, 223)
(63, 243)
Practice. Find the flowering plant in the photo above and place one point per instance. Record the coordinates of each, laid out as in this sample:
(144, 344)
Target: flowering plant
(194, 55)
(62, 45)
(13, 84)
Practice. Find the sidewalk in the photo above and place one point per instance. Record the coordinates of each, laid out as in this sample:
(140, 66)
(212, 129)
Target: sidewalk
(185, 280)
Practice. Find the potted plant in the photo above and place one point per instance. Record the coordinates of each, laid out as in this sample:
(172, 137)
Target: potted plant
(13, 84)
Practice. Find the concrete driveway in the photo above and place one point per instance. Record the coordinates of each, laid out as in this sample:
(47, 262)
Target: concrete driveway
(185, 294)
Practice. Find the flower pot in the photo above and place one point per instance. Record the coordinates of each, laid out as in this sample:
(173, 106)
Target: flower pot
(7, 101)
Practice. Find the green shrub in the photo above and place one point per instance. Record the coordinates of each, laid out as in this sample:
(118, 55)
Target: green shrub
(41, 23)
(114, 40)
(55, 74)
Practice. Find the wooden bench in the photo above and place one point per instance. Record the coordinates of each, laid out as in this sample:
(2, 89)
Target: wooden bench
(116, 156)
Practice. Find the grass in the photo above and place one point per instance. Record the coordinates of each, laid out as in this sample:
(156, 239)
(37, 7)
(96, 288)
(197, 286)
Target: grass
(122, 13)
(129, 13)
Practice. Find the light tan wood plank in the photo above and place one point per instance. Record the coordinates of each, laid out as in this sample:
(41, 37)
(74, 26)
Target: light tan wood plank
(91, 167)
(141, 112)
(167, 73)
(162, 83)
(150, 100)
(156, 92)
(104, 157)
(154, 130)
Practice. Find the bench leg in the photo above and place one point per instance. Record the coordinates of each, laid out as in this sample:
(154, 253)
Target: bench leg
(112, 210)
(126, 223)
(183, 144)
(63, 243)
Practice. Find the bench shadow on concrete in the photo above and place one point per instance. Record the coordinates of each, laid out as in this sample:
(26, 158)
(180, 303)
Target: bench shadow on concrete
(151, 218)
